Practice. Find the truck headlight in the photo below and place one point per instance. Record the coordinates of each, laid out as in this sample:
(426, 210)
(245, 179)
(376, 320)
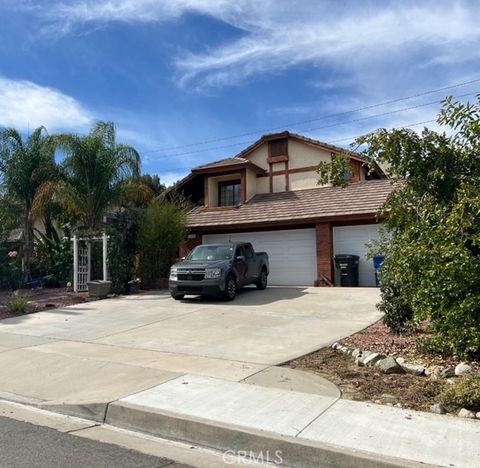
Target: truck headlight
(213, 273)
(173, 273)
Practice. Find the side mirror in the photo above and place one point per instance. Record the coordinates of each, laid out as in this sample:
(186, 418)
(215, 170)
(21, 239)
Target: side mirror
(241, 258)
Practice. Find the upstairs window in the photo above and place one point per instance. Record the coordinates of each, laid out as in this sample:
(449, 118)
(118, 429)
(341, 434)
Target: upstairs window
(277, 147)
(229, 193)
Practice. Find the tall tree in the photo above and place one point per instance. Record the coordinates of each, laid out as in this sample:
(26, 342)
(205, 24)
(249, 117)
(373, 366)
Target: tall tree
(94, 170)
(25, 166)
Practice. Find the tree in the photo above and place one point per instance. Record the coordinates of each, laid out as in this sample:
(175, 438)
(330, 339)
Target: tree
(432, 218)
(93, 172)
(162, 230)
(26, 165)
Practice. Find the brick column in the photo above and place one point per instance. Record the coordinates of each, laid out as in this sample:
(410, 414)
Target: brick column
(189, 245)
(324, 254)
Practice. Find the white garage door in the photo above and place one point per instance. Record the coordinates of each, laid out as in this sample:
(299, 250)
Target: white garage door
(292, 253)
(352, 240)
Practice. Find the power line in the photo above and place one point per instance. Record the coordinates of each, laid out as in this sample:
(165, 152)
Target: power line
(361, 119)
(347, 138)
(294, 124)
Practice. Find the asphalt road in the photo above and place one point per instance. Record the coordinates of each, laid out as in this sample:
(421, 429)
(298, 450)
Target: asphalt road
(26, 445)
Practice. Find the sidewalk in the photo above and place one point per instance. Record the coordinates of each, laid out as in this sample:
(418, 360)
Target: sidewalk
(306, 428)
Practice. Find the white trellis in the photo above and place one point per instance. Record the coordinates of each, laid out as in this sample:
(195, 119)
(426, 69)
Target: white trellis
(82, 260)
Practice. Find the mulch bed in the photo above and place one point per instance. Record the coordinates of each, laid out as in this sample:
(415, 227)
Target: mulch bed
(368, 383)
(41, 299)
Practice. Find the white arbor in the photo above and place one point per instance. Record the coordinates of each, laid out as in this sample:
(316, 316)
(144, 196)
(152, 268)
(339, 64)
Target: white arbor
(82, 260)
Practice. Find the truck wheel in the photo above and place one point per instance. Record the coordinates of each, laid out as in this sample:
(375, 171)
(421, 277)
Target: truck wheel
(230, 288)
(178, 297)
(262, 280)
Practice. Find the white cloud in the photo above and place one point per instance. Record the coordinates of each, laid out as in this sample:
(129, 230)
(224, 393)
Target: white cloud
(25, 105)
(349, 39)
(169, 178)
(280, 34)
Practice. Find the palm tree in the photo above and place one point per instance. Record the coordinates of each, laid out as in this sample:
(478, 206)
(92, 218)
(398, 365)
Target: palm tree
(25, 166)
(94, 170)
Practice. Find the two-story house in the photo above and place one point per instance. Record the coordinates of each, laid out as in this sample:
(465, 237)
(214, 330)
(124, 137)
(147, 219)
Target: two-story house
(269, 195)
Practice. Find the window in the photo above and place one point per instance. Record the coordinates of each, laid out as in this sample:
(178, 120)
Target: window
(277, 147)
(248, 251)
(229, 193)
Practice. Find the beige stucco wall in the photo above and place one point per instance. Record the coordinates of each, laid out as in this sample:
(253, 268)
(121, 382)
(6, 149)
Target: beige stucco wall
(303, 180)
(259, 156)
(279, 183)
(303, 155)
(251, 184)
(263, 184)
(213, 187)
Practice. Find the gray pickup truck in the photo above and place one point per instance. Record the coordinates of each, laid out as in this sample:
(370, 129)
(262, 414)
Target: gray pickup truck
(219, 270)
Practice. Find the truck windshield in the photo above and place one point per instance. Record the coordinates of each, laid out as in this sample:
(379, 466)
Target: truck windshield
(212, 252)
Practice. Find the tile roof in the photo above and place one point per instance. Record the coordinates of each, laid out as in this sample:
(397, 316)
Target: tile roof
(223, 162)
(359, 199)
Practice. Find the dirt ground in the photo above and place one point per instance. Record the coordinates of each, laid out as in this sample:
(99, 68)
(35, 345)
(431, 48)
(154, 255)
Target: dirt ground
(41, 299)
(368, 384)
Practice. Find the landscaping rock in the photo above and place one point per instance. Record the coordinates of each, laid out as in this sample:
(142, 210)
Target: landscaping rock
(447, 373)
(335, 345)
(437, 408)
(388, 365)
(463, 368)
(478, 415)
(373, 358)
(414, 369)
(465, 413)
(356, 353)
(388, 399)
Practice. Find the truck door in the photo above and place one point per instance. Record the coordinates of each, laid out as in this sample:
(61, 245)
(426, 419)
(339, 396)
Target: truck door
(241, 265)
(252, 267)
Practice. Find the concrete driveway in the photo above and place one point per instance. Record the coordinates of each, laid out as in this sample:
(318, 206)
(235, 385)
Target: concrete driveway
(102, 351)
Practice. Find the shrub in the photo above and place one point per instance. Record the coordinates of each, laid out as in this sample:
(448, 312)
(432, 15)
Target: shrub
(17, 304)
(161, 232)
(123, 248)
(54, 257)
(464, 392)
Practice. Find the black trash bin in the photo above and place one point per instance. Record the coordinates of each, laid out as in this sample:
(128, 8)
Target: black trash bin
(348, 266)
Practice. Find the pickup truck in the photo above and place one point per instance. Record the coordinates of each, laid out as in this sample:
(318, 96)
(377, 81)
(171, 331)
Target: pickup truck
(219, 270)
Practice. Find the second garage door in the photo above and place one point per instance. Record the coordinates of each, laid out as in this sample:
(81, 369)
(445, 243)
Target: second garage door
(353, 240)
(292, 253)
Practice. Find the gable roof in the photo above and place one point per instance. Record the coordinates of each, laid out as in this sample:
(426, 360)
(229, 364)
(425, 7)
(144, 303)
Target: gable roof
(229, 163)
(295, 136)
(308, 205)
(241, 159)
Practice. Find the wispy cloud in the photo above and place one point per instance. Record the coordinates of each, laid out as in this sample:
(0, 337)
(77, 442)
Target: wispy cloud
(24, 105)
(281, 34)
(348, 39)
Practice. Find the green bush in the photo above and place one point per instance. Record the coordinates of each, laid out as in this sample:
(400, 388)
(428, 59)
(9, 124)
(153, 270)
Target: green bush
(53, 258)
(11, 276)
(123, 249)
(17, 304)
(162, 230)
(464, 392)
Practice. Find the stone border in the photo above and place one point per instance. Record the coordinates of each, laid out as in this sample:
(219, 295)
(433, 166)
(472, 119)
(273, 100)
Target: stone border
(391, 365)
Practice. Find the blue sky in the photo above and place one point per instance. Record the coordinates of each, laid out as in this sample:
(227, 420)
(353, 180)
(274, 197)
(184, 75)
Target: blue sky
(175, 73)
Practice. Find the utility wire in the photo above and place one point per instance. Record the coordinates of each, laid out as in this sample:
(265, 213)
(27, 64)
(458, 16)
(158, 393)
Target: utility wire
(416, 124)
(295, 124)
(361, 119)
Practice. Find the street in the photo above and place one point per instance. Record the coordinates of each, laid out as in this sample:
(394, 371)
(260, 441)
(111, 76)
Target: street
(26, 445)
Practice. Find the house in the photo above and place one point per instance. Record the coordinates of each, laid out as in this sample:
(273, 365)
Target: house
(269, 195)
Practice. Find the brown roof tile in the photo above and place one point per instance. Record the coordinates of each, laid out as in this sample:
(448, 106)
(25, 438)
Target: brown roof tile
(359, 199)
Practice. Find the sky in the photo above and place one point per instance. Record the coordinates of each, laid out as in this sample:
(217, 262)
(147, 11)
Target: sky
(193, 81)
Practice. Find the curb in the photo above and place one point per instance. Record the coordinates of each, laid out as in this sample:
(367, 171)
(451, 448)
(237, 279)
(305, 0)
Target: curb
(294, 452)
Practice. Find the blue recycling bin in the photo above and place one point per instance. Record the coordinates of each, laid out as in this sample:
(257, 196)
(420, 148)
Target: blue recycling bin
(377, 263)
